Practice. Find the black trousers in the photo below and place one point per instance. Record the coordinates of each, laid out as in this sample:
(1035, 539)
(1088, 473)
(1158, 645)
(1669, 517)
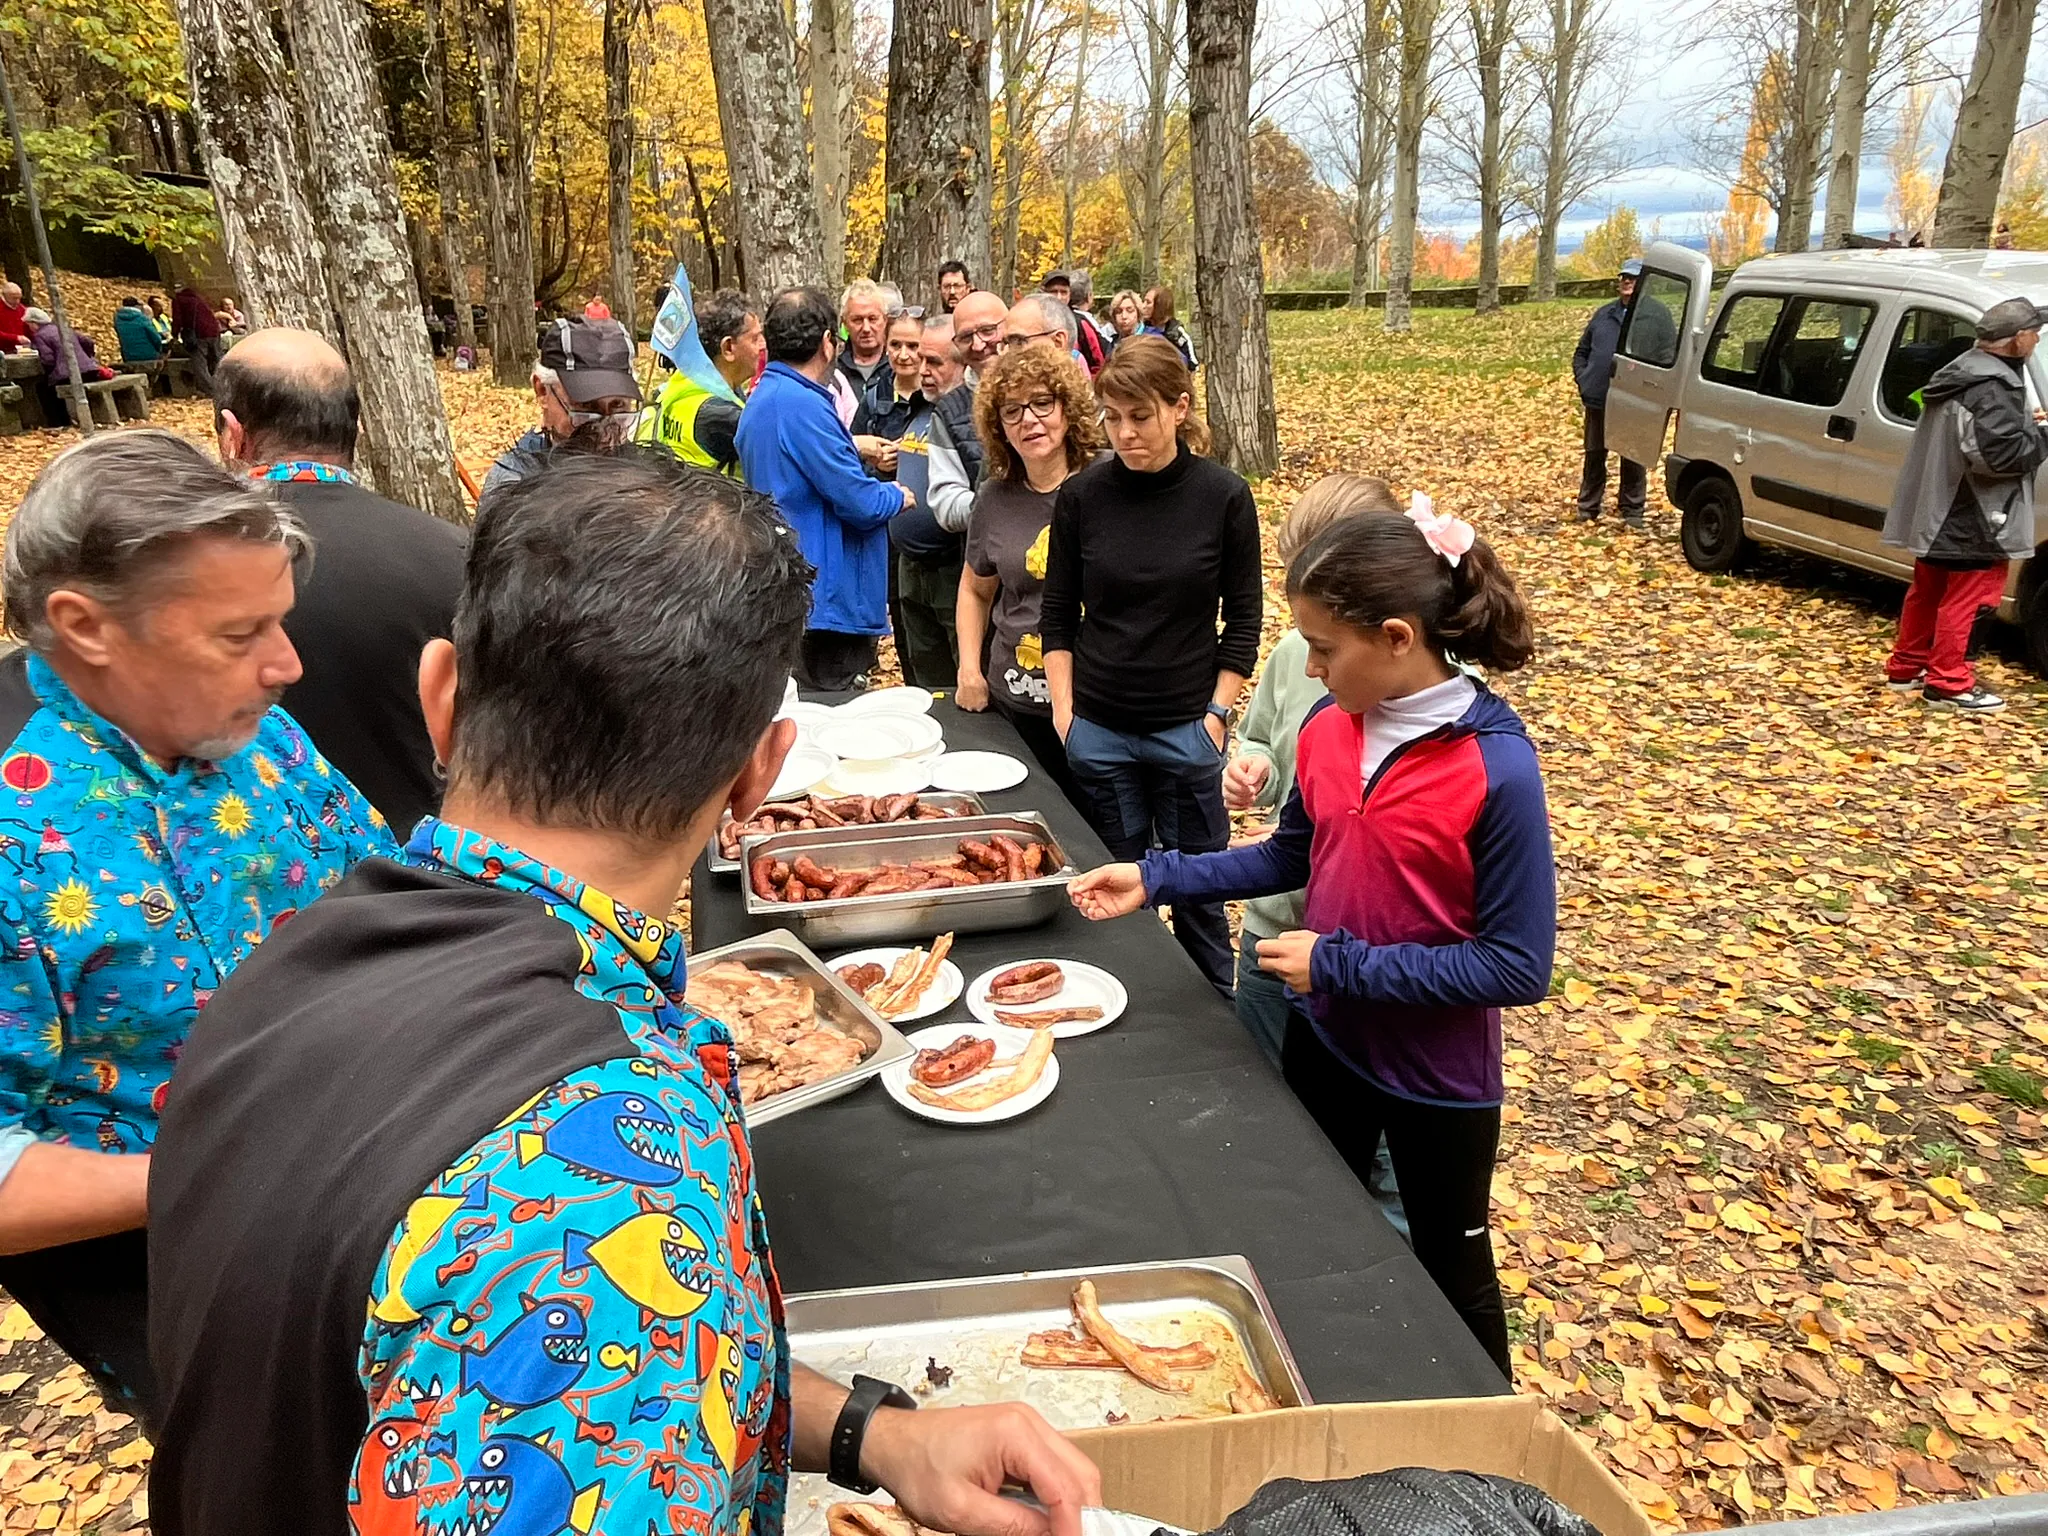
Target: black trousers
(91, 1299)
(830, 660)
(1635, 480)
(1443, 1161)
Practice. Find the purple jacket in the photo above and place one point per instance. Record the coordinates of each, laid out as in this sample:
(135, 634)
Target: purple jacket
(56, 357)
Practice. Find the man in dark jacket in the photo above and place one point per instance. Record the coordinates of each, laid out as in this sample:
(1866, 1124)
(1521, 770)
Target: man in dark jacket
(384, 577)
(1964, 505)
(1592, 363)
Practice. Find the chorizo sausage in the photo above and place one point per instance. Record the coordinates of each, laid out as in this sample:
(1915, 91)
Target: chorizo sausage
(981, 854)
(1012, 856)
(1034, 860)
(806, 869)
(793, 889)
(761, 875)
(1026, 983)
(955, 1063)
(851, 883)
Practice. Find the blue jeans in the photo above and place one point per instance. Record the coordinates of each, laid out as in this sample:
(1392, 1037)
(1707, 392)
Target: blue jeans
(1164, 788)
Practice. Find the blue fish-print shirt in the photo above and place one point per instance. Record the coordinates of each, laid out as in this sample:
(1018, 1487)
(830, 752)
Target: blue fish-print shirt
(128, 892)
(578, 1325)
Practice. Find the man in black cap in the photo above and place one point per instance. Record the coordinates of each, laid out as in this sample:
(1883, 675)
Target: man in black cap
(1592, 365)
(1964, 505)
(584, 386)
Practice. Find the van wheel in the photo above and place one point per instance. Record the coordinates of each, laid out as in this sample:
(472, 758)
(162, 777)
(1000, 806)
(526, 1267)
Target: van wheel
(1711, 530)
(2034, 617)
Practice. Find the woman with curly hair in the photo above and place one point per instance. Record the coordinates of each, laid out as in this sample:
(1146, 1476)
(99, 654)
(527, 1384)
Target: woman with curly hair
(1036, 417)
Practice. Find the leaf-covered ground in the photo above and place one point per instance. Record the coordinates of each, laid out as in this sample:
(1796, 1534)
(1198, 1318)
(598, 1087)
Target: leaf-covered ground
(1770, 1203)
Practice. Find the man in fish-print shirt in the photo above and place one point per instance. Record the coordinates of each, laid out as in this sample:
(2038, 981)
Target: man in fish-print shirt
(458, 1228)
(157, 820)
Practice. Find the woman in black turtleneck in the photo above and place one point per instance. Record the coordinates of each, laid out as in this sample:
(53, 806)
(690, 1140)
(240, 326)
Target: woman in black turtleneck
(1147, 549)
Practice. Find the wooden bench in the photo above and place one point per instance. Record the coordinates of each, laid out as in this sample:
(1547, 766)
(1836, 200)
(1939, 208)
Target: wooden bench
(124, 396)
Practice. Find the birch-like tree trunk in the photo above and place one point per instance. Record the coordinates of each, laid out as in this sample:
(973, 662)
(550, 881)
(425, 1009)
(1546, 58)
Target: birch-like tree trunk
(1367, 67)
(1415, 41)
(618, 179)
(1159, 26)
(353, 185)
(831, 107)
(1985, 118)
(1492, 23)
(251, 148)
(1816, 48)
(936, 148)
(1560, 84)
(761, 118)
(508, 236)
(1074, 111)
(1229, 272)
(452, 262)
(1845, 137)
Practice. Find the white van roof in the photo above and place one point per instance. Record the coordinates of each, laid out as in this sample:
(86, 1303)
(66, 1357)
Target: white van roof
(1980, 278)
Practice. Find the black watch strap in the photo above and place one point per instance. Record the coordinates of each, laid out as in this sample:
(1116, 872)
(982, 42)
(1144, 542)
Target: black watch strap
(842, 1465)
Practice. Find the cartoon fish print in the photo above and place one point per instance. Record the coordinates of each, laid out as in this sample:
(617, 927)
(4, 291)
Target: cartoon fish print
(422, 1223)
(516, 1487)
(652, 1259)
(625, 1136)
(535, 1360)
(643, 936)
(718, 1366)
(384, 1494)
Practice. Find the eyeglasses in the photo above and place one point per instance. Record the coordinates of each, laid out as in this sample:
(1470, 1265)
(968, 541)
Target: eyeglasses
(1014, 341)
(1041, 406)
(980, 332)
(908, 312)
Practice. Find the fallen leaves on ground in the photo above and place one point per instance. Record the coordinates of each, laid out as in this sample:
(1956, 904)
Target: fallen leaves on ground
(1769, 1203)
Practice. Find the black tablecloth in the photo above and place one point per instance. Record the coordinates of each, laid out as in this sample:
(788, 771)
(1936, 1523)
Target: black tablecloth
(1168, 1137)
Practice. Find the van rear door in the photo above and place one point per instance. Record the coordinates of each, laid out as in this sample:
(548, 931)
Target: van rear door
(1659, 344)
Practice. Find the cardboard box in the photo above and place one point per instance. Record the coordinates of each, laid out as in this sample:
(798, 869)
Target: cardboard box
(1196, 1473)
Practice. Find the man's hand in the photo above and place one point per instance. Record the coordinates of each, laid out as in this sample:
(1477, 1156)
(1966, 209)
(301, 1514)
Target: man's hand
(868, 446)
(945, 1465)
(1288, 957)
(909, 497)
(1113, 890)
(885, 457)
(970, 692)
(1243, 778)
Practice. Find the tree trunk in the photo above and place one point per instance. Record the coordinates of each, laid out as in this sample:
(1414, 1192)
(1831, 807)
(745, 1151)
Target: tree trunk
(1073, 125)
(1560, 87)
(1984, 126)
(1159, 40)
(452, 263)
(618, 117)
(250, 146)
(1004, 280)
(1845, 137)
(936, 148)
(1416, 20)
(761, 116)
(1492, 20)
(1368, 101)
(831, 106)
(508, 239)
(354, 188)
(1816, 46)
(1229, 273)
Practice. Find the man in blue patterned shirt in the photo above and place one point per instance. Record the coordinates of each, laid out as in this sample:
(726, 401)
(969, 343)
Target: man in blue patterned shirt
(158, 819)
(456, 1224)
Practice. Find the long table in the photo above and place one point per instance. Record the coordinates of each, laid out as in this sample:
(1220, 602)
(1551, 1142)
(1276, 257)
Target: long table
(1168, 1137)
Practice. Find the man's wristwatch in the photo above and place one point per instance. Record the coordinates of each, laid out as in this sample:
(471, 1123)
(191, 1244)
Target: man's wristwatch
(851, 1428)
(1221, 713)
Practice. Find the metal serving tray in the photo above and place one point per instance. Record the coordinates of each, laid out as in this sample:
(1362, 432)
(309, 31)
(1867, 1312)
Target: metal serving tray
(976, 1327)
(916, 914)
(781, 953)
(965, 804)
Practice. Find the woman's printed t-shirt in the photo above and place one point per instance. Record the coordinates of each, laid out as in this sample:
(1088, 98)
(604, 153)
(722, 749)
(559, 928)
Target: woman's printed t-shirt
(1006, 539)
(578, 1325)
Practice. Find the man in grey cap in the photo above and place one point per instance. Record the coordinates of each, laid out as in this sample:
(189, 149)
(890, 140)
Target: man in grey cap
(1964, 505)
(583, 384)
(1592, 363)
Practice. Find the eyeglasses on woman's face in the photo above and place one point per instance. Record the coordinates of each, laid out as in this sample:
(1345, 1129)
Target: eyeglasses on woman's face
(1044, 407)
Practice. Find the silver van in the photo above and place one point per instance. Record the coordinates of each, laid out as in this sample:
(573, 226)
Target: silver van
(1789, 414)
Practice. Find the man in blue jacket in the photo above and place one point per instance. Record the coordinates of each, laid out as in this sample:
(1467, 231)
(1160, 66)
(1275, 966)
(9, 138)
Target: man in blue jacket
(1592, 364)
(794, 447)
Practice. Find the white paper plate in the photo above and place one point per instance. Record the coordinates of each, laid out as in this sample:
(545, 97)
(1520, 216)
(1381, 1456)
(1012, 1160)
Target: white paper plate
(801, 771)
(1087, 986)
(896, 776)
(938, 997)
(977, 772)
(903, 700)
(1010, 1043)
(877, 738)
(809, 719)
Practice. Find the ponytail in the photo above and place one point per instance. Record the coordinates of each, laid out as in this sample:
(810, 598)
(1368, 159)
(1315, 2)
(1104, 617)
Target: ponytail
(1367, 570)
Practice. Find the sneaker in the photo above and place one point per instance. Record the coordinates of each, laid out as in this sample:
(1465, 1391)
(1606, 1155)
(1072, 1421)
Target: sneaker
(1911, 684)
(1978, 700)
(1637, 523)
(1588, 517)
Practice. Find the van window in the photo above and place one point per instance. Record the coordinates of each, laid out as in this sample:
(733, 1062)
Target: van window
(1816, 351)
(1736, 354)
(1926, 340)
(1653, 319)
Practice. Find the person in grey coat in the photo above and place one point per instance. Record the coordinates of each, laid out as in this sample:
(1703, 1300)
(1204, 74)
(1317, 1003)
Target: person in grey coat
(1592, 364)
(1964, 505)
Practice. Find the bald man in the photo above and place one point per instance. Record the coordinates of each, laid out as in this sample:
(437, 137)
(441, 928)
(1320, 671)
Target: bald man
(383, 581)
(978, 329)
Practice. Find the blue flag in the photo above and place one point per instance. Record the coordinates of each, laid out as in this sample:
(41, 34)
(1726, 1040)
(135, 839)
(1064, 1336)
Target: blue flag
(675, 337)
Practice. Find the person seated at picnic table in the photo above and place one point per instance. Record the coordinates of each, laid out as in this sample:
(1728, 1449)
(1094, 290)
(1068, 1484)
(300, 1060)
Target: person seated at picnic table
(161, 819)
(159, 318)
(137, 333)
(47, 339)
(456, 1214)
(583, 384)
(13, 312)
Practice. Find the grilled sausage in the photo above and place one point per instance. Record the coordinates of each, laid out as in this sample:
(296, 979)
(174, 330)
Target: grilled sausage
(861, 977)
(806, 869)
(1026, 983)
(1012, 855)
(761, 875)
(953, 1064)
(981, 854)
(851, 882)
(793, 889)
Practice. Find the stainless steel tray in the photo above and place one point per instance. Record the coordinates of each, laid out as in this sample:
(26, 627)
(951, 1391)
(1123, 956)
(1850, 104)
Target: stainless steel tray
(916, 914)
(977, 1326)
(952, 800)
(781, 953)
